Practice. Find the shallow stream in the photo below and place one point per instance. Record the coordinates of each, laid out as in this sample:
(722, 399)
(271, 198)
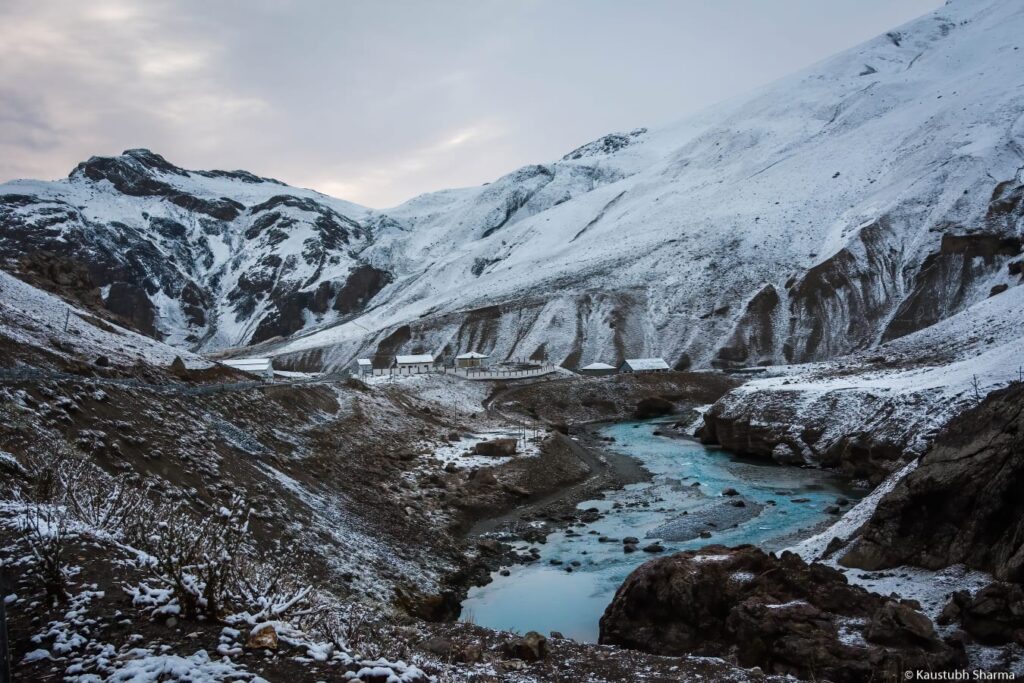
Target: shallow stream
(780, 506)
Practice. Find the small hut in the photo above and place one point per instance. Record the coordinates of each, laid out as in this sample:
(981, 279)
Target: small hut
(597, 370)
(364, 367)
(261, 367)
(472, 359)
(631, 365)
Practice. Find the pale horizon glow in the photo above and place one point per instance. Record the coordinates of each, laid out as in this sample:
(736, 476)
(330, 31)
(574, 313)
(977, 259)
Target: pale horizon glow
(379, 102)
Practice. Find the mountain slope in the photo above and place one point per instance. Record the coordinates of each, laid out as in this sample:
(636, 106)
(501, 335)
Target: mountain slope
(868, 197)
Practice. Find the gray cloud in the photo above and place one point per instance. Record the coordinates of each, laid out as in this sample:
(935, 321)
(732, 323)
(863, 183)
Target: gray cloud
(377, 102)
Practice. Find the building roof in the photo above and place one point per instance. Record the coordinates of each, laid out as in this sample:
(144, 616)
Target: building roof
(471, 354)
(598, 366)
(646, 364)
(418, 358)
(364, 361)
(250, 364)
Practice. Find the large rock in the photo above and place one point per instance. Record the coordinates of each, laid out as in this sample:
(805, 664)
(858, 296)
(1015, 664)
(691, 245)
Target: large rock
(778, 613)
(532, 647)
(994, 615)
(963, 503)
(496, 448)
(653, 406)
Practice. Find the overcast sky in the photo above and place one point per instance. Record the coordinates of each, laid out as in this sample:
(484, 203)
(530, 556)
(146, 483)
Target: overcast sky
(378, 101)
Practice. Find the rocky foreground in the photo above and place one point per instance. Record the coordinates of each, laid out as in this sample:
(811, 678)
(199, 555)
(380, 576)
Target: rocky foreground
(777, 613)
(962, 505)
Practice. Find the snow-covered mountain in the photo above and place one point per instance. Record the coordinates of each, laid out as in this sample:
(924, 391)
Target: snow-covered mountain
(204, 259)
(863, 199)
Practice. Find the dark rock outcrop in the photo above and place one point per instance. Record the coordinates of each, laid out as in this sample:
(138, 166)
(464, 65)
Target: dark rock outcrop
(994, 616)
(772, 426)
(778, 613)
(944, 284)
(963, 503)
(363, 283)
(653, 406)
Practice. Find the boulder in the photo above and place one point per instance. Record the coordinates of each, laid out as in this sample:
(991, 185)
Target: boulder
(995, 615)
(899, 624)
(778, 613)
(497, 448)
(262, 637)
(532, 647)
(442, 647)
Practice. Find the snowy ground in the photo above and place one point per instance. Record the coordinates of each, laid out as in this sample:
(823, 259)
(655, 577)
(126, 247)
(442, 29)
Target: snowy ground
(82, 642)
(461, 452)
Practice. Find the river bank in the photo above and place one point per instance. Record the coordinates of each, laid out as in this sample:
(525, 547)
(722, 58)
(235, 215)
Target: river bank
(691, 496)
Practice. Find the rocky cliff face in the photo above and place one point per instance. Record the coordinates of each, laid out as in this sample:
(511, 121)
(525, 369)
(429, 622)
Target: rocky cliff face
(963, 503)
(869, 413)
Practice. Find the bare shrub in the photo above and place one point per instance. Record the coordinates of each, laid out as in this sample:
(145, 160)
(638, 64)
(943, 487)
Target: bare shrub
(100, 501)
(208, 566)
(45, 528)
(197, 559)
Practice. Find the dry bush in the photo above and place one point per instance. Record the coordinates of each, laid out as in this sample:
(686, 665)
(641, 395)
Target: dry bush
(45, 529)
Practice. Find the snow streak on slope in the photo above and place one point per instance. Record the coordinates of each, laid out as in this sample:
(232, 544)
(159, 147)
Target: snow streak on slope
(789, 225)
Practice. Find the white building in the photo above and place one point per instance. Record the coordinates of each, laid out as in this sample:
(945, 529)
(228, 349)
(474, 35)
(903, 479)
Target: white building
(644, 365)
(261, 367)
(472, 359)
(414, 365)
(364, 366)
(597, 369)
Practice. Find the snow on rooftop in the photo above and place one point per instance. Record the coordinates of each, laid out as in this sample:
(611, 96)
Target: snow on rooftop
(598, 366)
(251, 364)
(646, 364)
(417, 358)
(364, 361)
(471, 355)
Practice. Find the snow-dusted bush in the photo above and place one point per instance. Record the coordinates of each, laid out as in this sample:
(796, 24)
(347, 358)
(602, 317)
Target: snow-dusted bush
(198, 560)
(97, 500)
(45, 528)
(266, 590)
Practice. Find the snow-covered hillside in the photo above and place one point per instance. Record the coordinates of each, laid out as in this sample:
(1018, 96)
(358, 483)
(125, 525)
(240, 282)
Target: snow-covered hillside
(863, 199)
(870, 412)
(35, 324)
(799, 223)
